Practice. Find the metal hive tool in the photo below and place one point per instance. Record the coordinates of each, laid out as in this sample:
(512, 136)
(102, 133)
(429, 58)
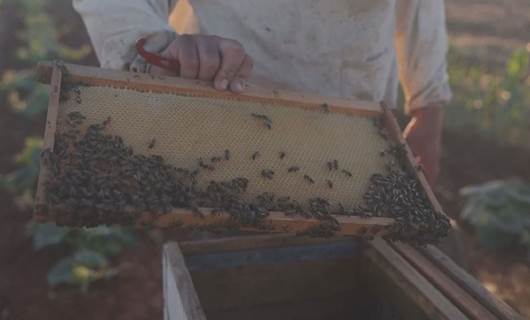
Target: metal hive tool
(283, 144)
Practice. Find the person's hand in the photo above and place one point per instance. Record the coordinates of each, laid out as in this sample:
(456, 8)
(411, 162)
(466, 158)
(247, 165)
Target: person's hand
(210, 58)
(424, 136)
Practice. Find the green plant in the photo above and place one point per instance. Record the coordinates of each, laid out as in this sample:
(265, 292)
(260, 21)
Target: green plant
(91, 250)
(495, 105)
(21, 181)
(499, 211)
(40, 41)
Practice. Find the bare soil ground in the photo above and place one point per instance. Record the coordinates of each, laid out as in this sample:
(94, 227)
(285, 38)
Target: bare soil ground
(482, 29)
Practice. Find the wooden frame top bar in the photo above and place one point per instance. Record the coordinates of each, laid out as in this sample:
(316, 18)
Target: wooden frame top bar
(164, 84)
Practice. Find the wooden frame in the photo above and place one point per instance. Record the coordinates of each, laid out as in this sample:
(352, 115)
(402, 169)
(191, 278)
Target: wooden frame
(465, 281)
(53, 73)
(416, 272)
(184, 304)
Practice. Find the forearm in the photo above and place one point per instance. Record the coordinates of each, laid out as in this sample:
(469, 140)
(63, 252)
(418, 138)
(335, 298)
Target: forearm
(424, 135)
(432, 116)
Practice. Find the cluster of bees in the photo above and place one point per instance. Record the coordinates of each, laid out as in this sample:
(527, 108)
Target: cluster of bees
(97, 179)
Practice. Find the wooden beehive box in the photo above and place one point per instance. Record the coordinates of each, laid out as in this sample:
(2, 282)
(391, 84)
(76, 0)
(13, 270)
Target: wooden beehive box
(133, 148)
(281, 277)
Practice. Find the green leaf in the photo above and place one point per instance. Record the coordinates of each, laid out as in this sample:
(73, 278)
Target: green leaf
(499, 212)
(517, 65)
(61, 272)
(90, 259)
(24, 178)
(48, 234)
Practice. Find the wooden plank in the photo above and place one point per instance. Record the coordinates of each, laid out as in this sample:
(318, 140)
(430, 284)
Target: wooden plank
(470, 284)
(395, 132)
(465, 302)
(277, 221)
(274, 256)
(252, 242)
(426, 296)
(164, 84)
(180, 298)
(49, 139)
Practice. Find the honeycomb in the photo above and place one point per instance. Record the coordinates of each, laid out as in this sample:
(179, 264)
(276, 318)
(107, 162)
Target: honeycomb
(183, 128)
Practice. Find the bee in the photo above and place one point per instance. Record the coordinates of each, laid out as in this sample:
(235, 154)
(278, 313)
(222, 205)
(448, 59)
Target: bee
(293, 169)
(215, 159)
(227, 154)
(308, 179)
(255, 155)
(282, 154)
(267, 173)
(330, 165)
(419, 167)
(346, 172)
(151, 144)
(329, 183)
(260, 116)
(204, 165)
(267, 122)
(325, 107)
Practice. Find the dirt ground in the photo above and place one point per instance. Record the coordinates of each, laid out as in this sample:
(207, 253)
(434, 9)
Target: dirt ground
(483, 29)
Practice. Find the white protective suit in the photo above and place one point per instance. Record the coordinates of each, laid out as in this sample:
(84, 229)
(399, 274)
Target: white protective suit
(342, 48)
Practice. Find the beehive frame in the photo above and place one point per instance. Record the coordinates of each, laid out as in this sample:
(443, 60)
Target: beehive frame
(53, 74)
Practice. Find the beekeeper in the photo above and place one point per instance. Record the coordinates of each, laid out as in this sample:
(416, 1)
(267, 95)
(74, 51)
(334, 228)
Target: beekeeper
(344, 48)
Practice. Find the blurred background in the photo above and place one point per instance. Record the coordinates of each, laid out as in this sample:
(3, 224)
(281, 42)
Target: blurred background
(115, 273)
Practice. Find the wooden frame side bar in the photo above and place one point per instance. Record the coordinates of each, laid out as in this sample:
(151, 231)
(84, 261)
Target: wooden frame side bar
(395, 132)
(180, 298)
(471, 285)
(49, 137)
(460, 297)
(163, 84)
(425, 295)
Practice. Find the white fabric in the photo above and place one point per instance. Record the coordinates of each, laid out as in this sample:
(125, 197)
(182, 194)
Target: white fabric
(345, 48)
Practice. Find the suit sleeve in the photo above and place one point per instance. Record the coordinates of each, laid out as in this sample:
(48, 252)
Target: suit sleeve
(115, 25)
(421, 47)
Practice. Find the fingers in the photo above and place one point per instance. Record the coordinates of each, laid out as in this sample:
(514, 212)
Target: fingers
(209, 58)
(232, 57)
(244, 73)
(188, 57)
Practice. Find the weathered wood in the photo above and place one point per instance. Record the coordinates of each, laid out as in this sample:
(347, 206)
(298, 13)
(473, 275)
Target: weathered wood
(165, 84)
(180, 298)
(240, 243)
(278, 222)
(413, 284)
(286, 255)
(49, 137)
(471, 285)
(465, 302)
